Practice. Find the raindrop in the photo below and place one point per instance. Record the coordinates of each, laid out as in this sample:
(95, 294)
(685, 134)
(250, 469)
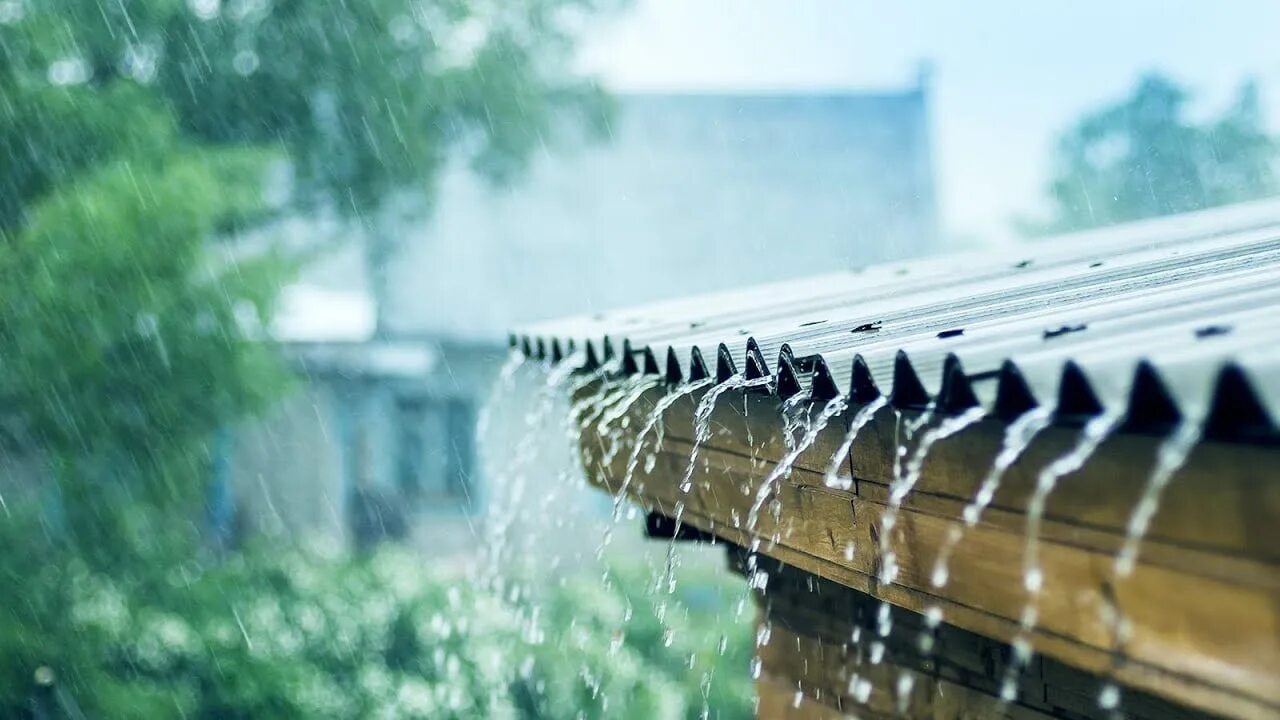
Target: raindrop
(1109, 698)
(69, 71)
(205, 9)
(245, 62)
(11, 11)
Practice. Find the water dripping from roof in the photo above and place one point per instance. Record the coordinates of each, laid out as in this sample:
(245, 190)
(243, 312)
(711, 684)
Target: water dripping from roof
(907, 476)
(1091, 437)
(701, 433)
(637, 449)
(1017, 436)
(832, 478)
(783, 468)
(1170, 458)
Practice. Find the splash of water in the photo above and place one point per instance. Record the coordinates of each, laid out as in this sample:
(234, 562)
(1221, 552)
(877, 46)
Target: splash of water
(832, 477)
(1170, 457)
(1017, 436)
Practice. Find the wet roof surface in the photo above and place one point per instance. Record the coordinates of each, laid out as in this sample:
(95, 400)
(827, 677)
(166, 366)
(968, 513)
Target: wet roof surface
(1166, 320)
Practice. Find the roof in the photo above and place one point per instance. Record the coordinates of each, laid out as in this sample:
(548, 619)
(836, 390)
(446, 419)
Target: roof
(714, 180)
(1164, 320)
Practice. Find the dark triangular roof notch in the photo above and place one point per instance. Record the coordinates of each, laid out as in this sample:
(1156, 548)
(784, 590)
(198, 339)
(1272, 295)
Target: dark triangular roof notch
(629, 365)
(725, 367)
(862, 386)
(650, 366)
(908, 391)
(556, 352)
(787, 351)
(526, 347)
(541, 349)
(513, 342)
(1151, 406)
(789, 384)
(1013, 396)
(698, 369)
(1077, 400)
(957, 393)
(756, 366)
(593, 357)
(1237, 413)
(822, 385)
(675, 373)
(609, 352)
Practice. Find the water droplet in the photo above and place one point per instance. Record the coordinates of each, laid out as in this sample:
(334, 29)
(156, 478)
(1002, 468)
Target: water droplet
(1109, 698)
(11, 11)
(69, 71)
(877, 652)
(245, 62)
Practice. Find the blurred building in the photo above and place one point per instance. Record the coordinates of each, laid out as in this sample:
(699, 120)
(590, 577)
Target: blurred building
(691, 192)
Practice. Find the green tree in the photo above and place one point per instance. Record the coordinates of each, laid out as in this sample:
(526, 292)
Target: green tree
(135, 138)
(1143, 157)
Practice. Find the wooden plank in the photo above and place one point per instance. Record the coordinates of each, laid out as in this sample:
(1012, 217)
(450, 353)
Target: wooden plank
(1203, 602)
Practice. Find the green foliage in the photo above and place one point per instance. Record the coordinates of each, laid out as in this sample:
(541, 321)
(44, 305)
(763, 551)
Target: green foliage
(1143, 157)
(285, 634)
(368, 99)
(136, 143)
(133, 136)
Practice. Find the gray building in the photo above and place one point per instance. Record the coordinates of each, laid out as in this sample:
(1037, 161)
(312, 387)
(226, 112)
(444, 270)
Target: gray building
(692, 192)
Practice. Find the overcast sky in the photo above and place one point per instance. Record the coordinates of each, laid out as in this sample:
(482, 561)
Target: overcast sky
(1009, 75)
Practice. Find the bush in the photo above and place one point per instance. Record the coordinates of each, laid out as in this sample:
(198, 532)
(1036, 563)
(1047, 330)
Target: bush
(271, 634)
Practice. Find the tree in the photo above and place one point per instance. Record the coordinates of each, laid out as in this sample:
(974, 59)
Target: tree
(1143, 157)
(365, 99)
(134, 137)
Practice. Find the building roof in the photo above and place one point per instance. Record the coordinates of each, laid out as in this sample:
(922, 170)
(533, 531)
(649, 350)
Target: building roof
(691, 191)
(1165, 320)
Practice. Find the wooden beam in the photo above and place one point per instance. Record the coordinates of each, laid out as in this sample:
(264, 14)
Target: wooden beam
(1203, 603)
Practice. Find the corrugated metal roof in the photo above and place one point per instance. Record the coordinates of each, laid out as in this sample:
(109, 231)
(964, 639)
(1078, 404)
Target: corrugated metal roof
(1164, 320)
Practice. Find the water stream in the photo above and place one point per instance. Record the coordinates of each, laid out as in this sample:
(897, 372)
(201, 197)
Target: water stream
(833, 478)
(701, 433)
(909, 477)
(1017, 436)
(796, 448)
(1170, 457)
(1094, 433)
(637, 449)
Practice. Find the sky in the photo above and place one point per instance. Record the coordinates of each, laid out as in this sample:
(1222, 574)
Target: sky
(1007, 76)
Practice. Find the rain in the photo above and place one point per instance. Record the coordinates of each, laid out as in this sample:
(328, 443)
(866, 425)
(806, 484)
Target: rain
(638, 359)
